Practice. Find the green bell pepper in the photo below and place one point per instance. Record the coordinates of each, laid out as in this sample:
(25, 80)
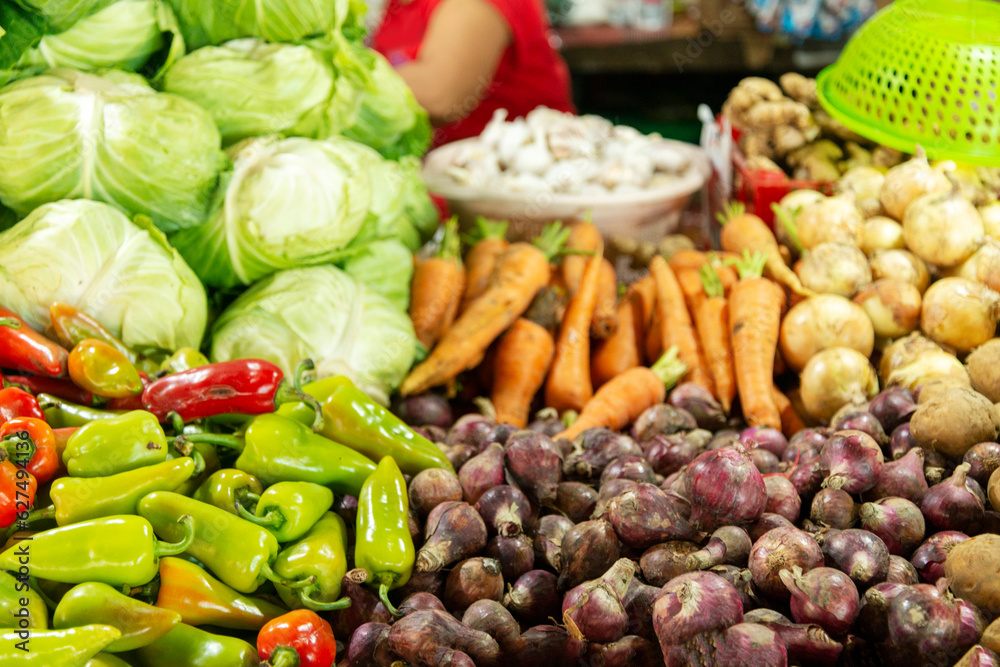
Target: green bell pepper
(353, 419)
(237, 551)
(383, 546)
(322, 553)
(55, 648)
(289, 509)
(111, 446)
(139, 623)
(115, 550)
(228, 486)
(189, 646)
(18, 602)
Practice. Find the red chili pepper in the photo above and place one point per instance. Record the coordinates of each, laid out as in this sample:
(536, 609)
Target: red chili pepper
(31, 444)
(23, 349)
(17, 493)
(299, 638)
(15, 402)
(62, 436)
(63, 389)
(133, 402)
(244, 386)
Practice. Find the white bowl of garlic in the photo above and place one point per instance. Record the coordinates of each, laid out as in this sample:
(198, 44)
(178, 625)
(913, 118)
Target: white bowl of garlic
(555, 166)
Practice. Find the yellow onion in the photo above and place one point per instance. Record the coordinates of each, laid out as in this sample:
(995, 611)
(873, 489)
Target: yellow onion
(902, 351)
(959, 313)
(907, 181)
(834, 268)
(893, 307)
(791, 204)
(822, 322)
(865, 183)
(835, 378)
(931, 364)
(881, 233)
(983, 266)
(900, 265)
(943, 228)
(830, 220)
(990, 213)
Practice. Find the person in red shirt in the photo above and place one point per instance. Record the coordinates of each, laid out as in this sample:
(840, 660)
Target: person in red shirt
(464, 59)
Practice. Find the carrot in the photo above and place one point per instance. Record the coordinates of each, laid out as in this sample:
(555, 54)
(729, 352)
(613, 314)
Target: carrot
(488, 242)
(620, 401)
(712, 323)
(524, 355)
(727, 274)
(645, 289)
(606, 309)
(695, 259)
(743, 231)
(436, 289)
(569, 386)
(675, 323)
(653, 346)
(791, 422)
(755, 308)
(522, 270)
(690, 284)
(584, 239)
(622, 350)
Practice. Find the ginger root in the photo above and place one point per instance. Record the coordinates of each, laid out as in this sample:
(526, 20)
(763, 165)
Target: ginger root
(800, 88)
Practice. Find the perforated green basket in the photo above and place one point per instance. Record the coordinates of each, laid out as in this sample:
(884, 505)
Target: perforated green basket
(923, 72)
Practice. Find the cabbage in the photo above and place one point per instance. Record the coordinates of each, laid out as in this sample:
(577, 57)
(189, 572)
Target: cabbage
(210, 22)
(111, 138)
(323, 314)
(90, 255)
(64, 14)
(385, 267)
(286, 203)
(129, 34)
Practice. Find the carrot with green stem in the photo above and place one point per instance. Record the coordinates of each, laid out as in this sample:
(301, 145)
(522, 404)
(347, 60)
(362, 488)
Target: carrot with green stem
(620, 401)
(437, 287)
(712, 323)
(487, 242)
(742, 231)
(520, 273)
(755, 309)
(569, 386)
(676, 327)
(623, 350)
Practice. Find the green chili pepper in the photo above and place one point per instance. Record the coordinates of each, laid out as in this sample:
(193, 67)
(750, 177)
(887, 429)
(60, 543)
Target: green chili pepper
(103, 370)
(116, 550)
(228, 486)
(212, 465)
(289, 509)
(80, 498)
(184, 359)
(201, 599)
(111, 446)
(18, 602)
(106, 660)
(139, 623)
(322, 553)
(63, 414)
(353, 419)
(278, 449)
(237, 551)
(192, 647)
(55, 648)
(382, 544)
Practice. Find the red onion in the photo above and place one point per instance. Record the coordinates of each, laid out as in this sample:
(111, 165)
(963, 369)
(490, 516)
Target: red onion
(417, 637)
(635, 468)
(514, 553)
(807, 643)
(834, 508)
(724, 488)
(549, 535)
(972, 624)
(534, 462)
(629, 651)
(806, 440)
(740, 578)
(431, 487)
(781, 549)
(663, 562)
(873, 618)
(471, 429)
(576, 500)
(980, 656)
(588, 550)
(983, 459)
(369, 646)
(724, 438)
(504, 509)
(669, 453)
(458, 455)
(764, 437)
(365, 606)
(594, 610)
(454, 531)
(435, 434)
(662, 419)
(824, 596)
(897, 521)
(928, 559)
(764, 461)
(693, 603)
(901, 571)
(954, 504)
(767, 521)
(859, 554)
(533, 597)
(548, 646)
(927, 626)
(990, 523)
(424, 582)
(608, 492)
(902, 478)
(892, 407)
(901, 441)
(547, 422)
(851, 460)
(807, 478)
(741, 644)
(473, 579)
(417, 601)
(638, 601)
(646, 515)
(482, 472)
(501, 433)
(700, 404)
(424, 410)
(594, 449)
(861, 420)
(494, 619)
(782, 497)
(729, 545)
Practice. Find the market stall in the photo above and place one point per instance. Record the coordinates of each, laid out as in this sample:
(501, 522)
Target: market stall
(282, 386)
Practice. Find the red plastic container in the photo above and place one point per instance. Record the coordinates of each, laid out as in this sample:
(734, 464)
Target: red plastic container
(757, 190)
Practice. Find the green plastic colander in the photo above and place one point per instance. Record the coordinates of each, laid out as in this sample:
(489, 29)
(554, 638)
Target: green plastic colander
(923, 72)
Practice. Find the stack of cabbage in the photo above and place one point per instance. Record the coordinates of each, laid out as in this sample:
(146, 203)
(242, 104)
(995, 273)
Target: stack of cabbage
(245, 143)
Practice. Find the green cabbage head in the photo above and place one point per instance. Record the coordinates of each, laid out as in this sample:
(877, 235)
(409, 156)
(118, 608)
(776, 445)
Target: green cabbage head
(111, 138)
(122, 273)
(323, 314)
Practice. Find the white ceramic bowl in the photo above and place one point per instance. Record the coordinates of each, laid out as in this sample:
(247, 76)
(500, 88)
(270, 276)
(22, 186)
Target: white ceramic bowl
(648, 215)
